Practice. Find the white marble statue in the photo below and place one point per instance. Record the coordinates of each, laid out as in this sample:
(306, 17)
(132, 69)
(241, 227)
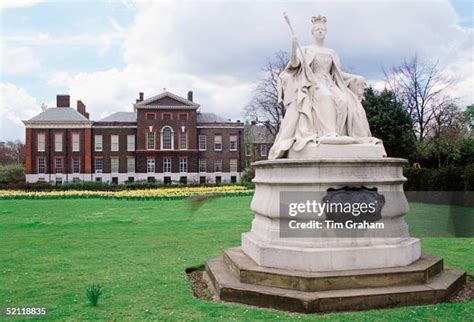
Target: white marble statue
(322, 102)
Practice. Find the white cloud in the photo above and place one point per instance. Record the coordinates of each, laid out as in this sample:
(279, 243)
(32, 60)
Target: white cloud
(15, 105)
(17, 60)
(9, 4)
(217, 48)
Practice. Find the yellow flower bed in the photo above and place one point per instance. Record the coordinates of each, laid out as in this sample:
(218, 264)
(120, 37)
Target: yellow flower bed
(158, 193)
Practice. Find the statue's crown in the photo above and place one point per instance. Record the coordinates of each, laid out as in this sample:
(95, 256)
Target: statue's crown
(318, 18)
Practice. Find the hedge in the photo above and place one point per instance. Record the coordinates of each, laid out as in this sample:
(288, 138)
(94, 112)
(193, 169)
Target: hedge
(451, 178)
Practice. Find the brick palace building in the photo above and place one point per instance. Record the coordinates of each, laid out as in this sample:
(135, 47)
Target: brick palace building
(165, 139)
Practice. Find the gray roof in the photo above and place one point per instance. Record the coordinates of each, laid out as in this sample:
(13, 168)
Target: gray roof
(59, 114)
(210, 118)
(258, 134)
(120, 117)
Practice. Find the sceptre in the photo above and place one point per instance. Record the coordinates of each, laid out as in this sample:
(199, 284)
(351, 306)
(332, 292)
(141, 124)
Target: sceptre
(305, 64)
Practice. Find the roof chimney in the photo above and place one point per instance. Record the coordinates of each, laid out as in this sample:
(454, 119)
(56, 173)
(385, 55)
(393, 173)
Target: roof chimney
(190, 96)
(140, 95)
(81, 108)
(62, 101)
(253, 122)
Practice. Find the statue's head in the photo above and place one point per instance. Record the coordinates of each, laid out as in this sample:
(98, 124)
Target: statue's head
(319, 27)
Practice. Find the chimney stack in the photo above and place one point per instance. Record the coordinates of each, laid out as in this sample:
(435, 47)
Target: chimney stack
(140, 97)
(63, 101)
(190, 96)
(81, 108)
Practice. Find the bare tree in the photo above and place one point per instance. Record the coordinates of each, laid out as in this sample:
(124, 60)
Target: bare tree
(264, 107)
(12, 152)
(423, 90)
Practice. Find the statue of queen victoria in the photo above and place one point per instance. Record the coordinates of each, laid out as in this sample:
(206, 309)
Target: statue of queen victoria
(322, 102)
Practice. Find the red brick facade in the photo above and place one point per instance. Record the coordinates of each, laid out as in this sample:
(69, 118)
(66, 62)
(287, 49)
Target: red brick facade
(161, 134)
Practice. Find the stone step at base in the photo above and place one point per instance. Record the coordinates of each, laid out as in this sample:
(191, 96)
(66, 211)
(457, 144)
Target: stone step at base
(249, 272)
(228, 288)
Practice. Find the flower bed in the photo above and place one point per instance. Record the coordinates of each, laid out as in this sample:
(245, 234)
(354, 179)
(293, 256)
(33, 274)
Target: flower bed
(155, 194)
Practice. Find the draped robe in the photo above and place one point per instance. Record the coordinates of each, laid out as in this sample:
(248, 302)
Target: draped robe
(298, 92)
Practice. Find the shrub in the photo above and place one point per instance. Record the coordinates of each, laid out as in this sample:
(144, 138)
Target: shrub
(93, 293)
(468, 178)
(12, 174)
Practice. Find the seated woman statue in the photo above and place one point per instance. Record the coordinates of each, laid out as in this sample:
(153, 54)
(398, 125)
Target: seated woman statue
(322, 102)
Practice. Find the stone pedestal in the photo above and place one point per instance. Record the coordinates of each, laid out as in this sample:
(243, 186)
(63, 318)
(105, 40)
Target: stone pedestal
(265, 246)
(328, 272)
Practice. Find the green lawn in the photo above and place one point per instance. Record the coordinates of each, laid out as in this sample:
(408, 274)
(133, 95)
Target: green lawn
(51, 250)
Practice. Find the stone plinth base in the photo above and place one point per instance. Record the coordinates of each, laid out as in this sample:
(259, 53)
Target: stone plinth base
(237, 278)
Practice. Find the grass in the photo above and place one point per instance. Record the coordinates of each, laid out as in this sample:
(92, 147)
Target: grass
(52, 250)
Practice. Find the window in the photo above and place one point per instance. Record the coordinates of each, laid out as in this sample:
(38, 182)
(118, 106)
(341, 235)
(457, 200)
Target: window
(98, 179)
(183, 141)
(114, 165)
(131, 180)
(167, 138)
(217, 142)
(263, 150)
(233, 165)
(131, 165)
(75, 166)
(59, 180)
(58, 142)
(183, 116)
(58, 165)
(202, 165)
(166, 117)
(218, 166)
(150, 141)
(41, 140)
(114, 180)
(41, 166)
(167, 165)
(183, 180)
(75, 142)
(218, 179)
(98, 143)
(233, 179)
(98, 165)
(202, 179)
(131, 142)
(183, 165)
(202, 143)
(150, 179)
(150, 165)
(233, 143)
(150, 116)
(167, 180)
(114, 143)
(76, 180)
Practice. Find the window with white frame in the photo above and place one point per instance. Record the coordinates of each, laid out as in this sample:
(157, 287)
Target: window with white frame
(98, 143)
(217, 142)
(202, 165)
(233, 165)
(183, 165)
(167, 138)
(75, 142)
(98, 165)
(202, 142)
(167, 165)
(130, 165)
(131, 142)
(41, 142)
(114, 165)
(150, 165)
(233, 143)
(183, 141)
(58, 165)
(75, 166)
(217, 165)
(58, 142)
(150, 141)
(263, 150)
(41, 165)
(114, 143)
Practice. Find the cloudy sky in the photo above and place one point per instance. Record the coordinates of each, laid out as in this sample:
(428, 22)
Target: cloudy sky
(104, 53)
